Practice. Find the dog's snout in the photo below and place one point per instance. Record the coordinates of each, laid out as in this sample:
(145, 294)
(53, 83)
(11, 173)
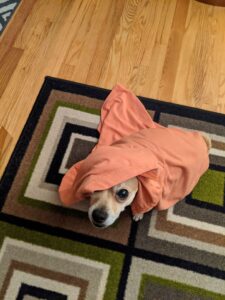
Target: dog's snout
(99, 215)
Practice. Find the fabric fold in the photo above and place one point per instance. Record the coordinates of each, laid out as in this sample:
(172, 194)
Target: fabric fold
(168, 162)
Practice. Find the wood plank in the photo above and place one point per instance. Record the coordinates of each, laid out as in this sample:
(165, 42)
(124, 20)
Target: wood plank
(14, 26)
(139, 37)
(171, 61)
(113, 11)
(5, 140)
(112, 65)
(87, 51)
(7, 67)
(150, 67)
(198, 76)
(38, 24)
(66, 71)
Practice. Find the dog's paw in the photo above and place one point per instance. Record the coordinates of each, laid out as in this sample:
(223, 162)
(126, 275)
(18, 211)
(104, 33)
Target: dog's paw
(138, 217)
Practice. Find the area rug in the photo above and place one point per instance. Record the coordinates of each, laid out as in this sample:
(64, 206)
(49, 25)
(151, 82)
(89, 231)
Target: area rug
(7, 8)
(51, 252)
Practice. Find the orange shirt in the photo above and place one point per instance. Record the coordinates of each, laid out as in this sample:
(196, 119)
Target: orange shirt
(168, 162)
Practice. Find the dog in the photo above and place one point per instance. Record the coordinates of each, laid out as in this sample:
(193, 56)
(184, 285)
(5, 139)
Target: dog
(106, 206)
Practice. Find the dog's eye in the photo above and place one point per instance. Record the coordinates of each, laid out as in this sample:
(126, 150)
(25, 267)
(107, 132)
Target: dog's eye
(122, 194)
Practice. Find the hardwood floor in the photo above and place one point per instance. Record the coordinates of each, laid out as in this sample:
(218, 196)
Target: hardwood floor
(166, 49)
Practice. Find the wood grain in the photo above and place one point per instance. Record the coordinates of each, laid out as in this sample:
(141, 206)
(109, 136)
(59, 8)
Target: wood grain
(173, 50)
(8, 66)
(10, 33)
(202, 52)
(5, 140)
(167, 49)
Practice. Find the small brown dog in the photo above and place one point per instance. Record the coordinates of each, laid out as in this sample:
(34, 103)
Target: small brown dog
(107, 205)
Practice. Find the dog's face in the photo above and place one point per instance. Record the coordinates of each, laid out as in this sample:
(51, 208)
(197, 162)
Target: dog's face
(107, 205)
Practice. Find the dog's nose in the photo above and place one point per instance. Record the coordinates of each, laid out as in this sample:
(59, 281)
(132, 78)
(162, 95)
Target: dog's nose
(99, 215)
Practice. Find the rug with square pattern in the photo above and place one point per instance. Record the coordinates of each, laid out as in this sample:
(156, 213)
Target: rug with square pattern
(51, 252)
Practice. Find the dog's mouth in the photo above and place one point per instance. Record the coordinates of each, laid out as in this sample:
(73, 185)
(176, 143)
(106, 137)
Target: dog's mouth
(99, 225)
